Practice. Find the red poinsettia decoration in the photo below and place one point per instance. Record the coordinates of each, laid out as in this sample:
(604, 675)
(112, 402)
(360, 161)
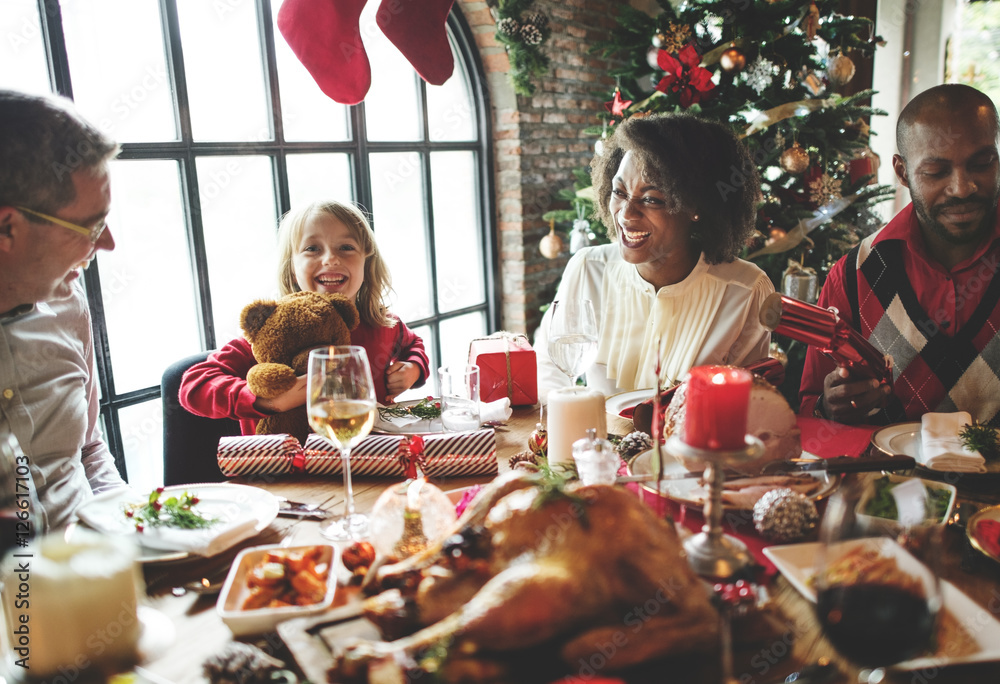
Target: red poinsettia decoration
(683, 75)
(617, 106)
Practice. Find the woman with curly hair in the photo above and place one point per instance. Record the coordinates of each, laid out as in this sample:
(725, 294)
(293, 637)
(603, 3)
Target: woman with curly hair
(678, 197)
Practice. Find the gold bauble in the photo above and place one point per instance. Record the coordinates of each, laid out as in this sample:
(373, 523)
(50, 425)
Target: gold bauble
(840, 70)
(795, 159)
(551, 245)
(774, 235)
(732, 60)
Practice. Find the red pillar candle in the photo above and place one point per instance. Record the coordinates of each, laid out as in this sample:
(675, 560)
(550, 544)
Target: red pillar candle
(715, 407)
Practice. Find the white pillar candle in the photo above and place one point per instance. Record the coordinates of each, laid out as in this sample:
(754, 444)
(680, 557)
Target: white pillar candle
(77, 606)
(572, 410)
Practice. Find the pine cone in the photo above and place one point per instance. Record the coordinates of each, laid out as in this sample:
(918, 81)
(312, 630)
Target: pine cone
(522, 457)
(633, 443)
(535, 18)
(531, 34)
(509, 27)
(240, 663)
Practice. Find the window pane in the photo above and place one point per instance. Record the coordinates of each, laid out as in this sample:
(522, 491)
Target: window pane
(316, 177)
(398, 205)
(142, 437)
(450, 111)
(457, 237)
(392, 108)
(239, 220)
(307, 113)
(146, 282)
(118, 67)
(430, 386)
(225, 78)
(22, 52)
(457, 333)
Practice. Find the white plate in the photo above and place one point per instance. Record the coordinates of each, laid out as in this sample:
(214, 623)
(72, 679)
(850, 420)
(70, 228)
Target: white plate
(617, 403)
(904, 438)
(242, 510)
(419, 427)
(683, 491)
(797, 563)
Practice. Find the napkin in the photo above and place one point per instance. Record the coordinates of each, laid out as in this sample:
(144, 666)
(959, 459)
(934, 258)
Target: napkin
(105, 513)
(498, 411)
(941, 449)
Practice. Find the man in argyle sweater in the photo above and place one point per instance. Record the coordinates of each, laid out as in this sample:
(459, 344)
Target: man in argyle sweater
(922, 289)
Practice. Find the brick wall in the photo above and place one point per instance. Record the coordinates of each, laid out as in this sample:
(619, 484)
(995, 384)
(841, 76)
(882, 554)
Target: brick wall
(539, 140)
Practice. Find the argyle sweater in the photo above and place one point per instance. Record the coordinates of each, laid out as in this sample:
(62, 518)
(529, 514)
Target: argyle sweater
(932, 371)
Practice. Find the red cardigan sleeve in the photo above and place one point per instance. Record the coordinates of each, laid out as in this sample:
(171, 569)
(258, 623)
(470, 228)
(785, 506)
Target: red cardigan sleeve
(411, 348)
(818, 366)
(217, 387)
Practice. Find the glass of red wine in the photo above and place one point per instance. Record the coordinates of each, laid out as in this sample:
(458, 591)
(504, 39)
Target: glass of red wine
(877, 589)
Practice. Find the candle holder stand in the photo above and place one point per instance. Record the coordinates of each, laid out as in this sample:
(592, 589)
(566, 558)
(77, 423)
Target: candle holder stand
(711, 553)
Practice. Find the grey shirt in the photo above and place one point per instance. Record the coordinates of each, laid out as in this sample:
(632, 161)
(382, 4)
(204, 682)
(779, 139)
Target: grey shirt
(49, 400)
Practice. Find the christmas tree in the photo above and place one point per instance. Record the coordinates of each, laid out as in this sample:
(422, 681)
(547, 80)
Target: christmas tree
(771, 70)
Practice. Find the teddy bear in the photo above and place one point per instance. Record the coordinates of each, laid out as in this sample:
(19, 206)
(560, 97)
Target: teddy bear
(281, 334)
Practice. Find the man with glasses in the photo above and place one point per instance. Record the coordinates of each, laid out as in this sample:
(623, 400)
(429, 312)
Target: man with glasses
(54, 199)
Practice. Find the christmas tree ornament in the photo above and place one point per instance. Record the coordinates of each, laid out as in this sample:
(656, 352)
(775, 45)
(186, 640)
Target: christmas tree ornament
(659, 40)
(675, 37)
(811, 23)
(760, 75)
(811, 81)
(732, 60)
(775, 234)
(840, 69)
(800, 282)
(326, 38)
(418, 31)
(795, 159)
(408, 516)
(685, 76)
(580, 235)
(538, 440)
(652, 57)
(825, 189)
(535, 18)
(552, 244)
(784, 515)
(617, 106)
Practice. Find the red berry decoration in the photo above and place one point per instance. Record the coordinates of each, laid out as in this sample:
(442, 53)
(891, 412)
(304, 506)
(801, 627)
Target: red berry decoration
(358, 555)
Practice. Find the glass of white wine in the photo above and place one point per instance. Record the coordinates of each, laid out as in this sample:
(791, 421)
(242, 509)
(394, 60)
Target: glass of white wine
(341, 406)
(573, 336)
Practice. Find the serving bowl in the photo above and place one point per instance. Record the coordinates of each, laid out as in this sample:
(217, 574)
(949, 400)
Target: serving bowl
(891, 525)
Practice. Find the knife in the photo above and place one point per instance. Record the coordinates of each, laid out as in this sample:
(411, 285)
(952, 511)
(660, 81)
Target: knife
(836, 465)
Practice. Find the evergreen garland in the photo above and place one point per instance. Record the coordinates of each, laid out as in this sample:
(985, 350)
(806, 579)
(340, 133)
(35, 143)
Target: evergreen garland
(523, 31)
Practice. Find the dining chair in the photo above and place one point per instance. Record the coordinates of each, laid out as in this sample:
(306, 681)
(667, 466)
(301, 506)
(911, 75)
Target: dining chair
(190, 442)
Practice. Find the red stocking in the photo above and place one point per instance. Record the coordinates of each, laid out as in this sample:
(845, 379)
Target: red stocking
(417, 28)
(326, 37)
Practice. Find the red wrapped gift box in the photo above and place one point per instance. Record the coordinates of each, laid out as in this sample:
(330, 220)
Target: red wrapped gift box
(507, 368)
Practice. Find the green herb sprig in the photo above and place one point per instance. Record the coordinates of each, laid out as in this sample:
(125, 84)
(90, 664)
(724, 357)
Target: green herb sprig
(883, 504)
(425, 409)
(981, 438)
(174, 511)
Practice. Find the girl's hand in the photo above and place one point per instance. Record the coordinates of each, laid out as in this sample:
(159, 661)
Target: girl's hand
(399, 378)
(293, 398)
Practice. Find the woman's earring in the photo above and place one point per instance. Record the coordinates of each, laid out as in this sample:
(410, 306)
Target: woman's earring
(695, 217)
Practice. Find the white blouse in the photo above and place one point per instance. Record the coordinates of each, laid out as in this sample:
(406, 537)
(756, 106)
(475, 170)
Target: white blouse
(710, 317)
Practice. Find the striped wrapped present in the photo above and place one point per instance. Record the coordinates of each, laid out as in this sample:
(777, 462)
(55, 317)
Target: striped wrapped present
(450, 454)
(259, 454)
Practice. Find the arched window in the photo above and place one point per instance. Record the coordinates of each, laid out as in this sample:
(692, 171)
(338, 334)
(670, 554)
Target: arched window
(222, 132)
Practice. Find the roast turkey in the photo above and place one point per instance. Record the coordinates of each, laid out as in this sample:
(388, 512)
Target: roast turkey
(532, 565)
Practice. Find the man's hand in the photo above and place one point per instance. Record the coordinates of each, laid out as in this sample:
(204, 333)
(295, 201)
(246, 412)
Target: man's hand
(399, 378)
(850, 401)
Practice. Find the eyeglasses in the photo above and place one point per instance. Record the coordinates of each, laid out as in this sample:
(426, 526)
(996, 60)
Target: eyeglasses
(94, 234)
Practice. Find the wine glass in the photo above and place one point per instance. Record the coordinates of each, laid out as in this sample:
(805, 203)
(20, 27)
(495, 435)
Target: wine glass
(877, 588)
(341, 405)
(573, 336)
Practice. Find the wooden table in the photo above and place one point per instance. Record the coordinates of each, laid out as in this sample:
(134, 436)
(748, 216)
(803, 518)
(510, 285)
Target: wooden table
(200, 633)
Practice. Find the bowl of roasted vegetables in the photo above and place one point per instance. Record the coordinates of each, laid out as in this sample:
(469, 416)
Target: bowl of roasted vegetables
(269, 584)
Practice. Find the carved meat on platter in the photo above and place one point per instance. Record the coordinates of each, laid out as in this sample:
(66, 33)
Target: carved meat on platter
(770, 418)
(530, 565)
